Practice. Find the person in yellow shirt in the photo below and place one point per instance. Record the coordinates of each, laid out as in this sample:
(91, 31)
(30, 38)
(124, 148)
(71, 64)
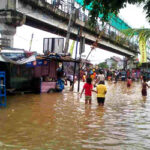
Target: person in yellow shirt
(101, 92)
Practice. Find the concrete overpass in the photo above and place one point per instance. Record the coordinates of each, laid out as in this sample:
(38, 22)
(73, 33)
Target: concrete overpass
(44, 16)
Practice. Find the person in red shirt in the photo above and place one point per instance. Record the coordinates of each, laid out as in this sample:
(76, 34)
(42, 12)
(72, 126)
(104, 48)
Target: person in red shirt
(88, 88)
(129, 82)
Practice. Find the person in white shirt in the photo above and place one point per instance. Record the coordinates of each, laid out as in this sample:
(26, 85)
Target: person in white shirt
(100, 77)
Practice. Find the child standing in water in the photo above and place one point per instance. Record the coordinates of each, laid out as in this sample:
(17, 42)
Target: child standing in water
(144, 87)
(88, 87)
(129, 82)
(101, 92)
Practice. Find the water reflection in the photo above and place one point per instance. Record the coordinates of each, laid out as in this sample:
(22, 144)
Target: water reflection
(63, 121)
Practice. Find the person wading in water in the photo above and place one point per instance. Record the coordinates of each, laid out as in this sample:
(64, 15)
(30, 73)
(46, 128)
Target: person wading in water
(144, 88)
(88, 87)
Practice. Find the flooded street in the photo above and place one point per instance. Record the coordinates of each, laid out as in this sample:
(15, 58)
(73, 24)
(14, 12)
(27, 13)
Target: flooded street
(62, 121)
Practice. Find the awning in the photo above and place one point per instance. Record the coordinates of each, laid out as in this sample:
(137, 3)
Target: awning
(17, 62)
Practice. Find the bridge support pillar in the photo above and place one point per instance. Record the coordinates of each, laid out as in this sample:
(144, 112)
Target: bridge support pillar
(132, 62)
(9, 21)
(7, 33)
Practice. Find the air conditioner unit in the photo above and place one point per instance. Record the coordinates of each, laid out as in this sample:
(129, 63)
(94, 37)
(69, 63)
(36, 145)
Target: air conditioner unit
(53, 45)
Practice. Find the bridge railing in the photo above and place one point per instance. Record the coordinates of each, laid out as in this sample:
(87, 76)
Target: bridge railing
(60, 4)
(118, 38)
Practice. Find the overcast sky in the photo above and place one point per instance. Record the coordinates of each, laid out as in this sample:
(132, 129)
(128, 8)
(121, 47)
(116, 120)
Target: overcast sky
(132, 15)
(135, 16)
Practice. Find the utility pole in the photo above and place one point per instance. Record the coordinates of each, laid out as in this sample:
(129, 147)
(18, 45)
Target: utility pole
(68, 34)
(73, 10)
(68, 29)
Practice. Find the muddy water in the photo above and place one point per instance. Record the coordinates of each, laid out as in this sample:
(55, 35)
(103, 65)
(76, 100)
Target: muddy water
(61, 121)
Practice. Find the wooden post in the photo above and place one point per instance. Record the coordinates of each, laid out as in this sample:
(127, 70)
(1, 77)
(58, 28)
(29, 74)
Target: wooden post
(81, 50)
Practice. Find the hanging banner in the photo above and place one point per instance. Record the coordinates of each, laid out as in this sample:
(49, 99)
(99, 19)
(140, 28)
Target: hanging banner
(72, 47)
(142, 46)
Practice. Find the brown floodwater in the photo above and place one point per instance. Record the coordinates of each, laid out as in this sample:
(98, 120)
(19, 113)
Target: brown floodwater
(61, 121)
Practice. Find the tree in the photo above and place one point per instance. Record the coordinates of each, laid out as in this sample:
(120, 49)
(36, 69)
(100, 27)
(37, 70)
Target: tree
(114, 65)
(143, 36)
(103, 65)
(108, 7)
(139, 33)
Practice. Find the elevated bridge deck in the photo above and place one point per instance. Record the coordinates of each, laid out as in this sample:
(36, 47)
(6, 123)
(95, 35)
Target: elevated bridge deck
(46, 16)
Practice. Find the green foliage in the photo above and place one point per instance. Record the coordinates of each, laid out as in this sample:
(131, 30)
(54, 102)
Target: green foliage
(114, 65)
(139, 33)
(103, 65)
(139, 64)
(147, 9)
(107, 7)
